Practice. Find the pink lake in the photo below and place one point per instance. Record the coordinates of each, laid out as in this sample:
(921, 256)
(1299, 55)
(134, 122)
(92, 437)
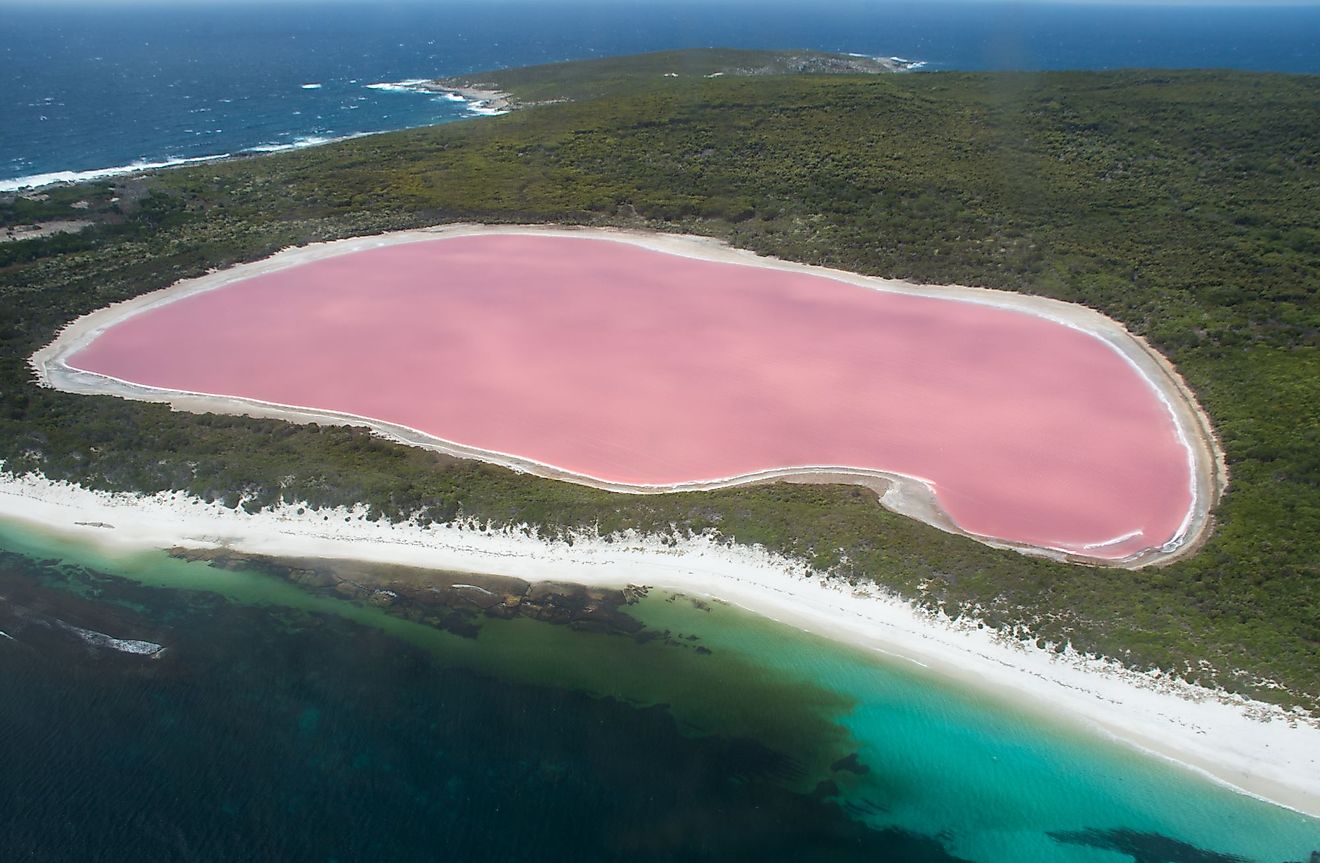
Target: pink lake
(615, 362)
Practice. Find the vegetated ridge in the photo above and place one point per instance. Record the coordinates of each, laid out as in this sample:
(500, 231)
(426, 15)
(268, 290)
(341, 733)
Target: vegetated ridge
(660, 71)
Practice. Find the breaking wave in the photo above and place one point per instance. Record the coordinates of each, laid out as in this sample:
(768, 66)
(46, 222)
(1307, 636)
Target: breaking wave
(34, 180)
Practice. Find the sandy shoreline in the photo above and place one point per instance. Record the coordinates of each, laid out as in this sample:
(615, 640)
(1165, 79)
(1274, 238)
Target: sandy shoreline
(1257, 748)
(907, 495)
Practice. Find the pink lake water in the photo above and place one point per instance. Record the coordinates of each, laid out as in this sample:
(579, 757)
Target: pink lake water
(633, 366)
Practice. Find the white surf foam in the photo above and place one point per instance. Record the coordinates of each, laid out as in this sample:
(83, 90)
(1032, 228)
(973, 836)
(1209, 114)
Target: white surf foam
(35, 180)
(411, 85)
(295, 144)
(123, 645)
(305, 141)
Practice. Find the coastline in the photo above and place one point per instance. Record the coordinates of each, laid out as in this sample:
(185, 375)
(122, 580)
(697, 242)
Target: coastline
(479, 103)
(483, 101)
(907, 495)
(1256, 748)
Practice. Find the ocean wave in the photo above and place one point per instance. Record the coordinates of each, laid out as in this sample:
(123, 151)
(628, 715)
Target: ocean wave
(13, 184)
(412, 85)
(33, 180)
(308, 141)
(311, 86)
(426, 87)
(296, 144)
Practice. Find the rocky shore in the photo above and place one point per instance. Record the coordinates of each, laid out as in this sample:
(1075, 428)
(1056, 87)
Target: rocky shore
(481, 99)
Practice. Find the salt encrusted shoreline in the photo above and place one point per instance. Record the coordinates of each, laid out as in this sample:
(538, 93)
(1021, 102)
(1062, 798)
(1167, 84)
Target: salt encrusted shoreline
(908, 495)
(1257, 748)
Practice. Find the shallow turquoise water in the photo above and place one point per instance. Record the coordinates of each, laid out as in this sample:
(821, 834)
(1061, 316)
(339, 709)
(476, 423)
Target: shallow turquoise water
(366, 734)
(999, 780)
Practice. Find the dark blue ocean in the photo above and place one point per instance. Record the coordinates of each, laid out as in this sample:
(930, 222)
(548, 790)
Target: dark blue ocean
(91, 86)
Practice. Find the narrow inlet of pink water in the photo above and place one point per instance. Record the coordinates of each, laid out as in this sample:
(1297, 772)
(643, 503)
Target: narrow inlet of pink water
(611, 361)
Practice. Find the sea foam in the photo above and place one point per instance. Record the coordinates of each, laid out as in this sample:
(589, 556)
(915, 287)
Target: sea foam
(34, 180)
(296, 144)
(411, 85)
(306, 141)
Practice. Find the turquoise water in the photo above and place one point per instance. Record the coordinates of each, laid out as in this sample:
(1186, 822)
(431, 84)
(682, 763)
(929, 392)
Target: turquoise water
(284, 723)
(998, 780)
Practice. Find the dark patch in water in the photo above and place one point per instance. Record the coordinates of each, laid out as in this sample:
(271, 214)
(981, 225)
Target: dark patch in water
(1144, 847)
(852, 764)
(70, 629)
(277, 734)
(454, 602)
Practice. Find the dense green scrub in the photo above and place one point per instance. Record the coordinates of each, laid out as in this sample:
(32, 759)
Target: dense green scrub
(1186, 205)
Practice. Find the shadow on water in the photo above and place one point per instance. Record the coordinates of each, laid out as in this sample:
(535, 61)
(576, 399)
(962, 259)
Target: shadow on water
(265, 730)
(1146, 847)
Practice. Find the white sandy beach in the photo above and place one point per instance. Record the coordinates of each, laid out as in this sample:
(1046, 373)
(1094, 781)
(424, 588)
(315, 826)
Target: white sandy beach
(908, 495)
(1257, 748)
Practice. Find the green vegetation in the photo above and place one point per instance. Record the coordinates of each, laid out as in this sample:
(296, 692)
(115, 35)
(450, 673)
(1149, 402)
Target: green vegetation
(662, 71)
(1185, 204)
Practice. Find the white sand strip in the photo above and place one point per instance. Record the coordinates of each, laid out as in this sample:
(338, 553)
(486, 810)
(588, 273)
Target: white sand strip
(907, 495)
(1257, 748)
